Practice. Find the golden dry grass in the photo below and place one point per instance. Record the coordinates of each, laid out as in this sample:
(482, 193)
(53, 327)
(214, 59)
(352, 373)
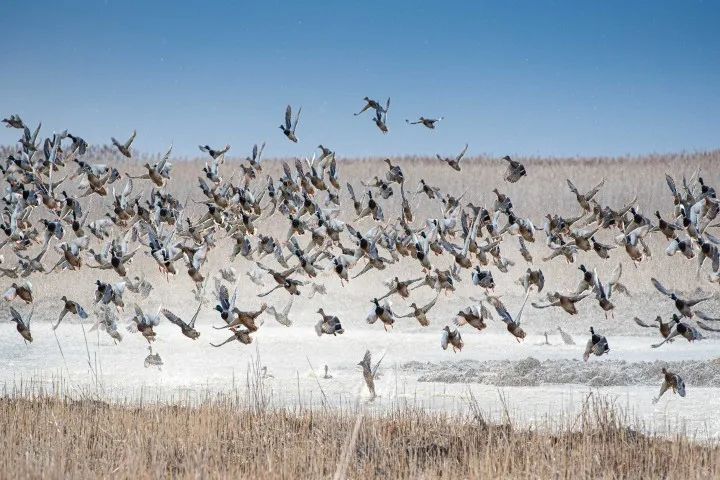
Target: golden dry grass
(51, 437)
(543, 191)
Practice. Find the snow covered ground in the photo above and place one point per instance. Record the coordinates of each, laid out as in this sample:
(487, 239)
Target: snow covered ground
(540, 382)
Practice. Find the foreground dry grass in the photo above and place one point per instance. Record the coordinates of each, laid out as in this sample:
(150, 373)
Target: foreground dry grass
(51, 437)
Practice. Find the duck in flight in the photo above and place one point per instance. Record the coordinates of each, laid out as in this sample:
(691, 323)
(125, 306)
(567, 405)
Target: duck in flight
(426, 122)
(289, 127)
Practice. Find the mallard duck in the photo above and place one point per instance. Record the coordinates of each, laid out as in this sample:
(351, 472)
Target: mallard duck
(196, 261)
(684, 246)
(23, 326)
(473, 315)
(426, 122)
(380, 119)
(689, 332)
(453, 162)
(394, 173)
(581, 238)
(532, 277)
(145, 323)
(566, 337)
(14, 121)
(241, 335)
(524, 250)
(289, 127)
(256, 157)
(568, 250)
(461, 254)
(370, 103)
(188, 329)
(24, 292)
(671, 381)
(667, 228)
(603, 293)
(665, 328)
(153, 359)
(683, 306)
(29, 264)
(110, 293)
(107, 321)
(159, 172)
(483, 278)
(282, 316)
(444, 281)
(246, 319)
(400, 287)
(586, 282)
(708, 249)
(381, 312)
(635, 246)
(53, 229)
(139, 285)
(328, 325)
(282, 280)
(597, 345)
(124, 148)
(317, 289)
(423, 187)
(213, 152)
(451, 337)
(513, 325)
(70, 306)
(515, 170)
(602, 250)
(584, 199)
(566, 302)
(420, 313)
(368, 375)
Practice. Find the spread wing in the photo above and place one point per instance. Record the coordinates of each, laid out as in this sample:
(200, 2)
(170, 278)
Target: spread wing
(641, 323)
(297, 119)
(573, 188)
(174, 319)
(288, 117)
(519, 314)
(660, 287)
(462, 154)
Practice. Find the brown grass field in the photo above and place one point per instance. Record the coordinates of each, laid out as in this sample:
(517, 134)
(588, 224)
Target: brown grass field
(49, 436)
(54, 436)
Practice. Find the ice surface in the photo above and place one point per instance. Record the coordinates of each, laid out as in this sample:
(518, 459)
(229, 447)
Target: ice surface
(540, 381)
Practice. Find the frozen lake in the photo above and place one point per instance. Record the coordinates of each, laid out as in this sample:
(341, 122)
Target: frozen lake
(415, 371)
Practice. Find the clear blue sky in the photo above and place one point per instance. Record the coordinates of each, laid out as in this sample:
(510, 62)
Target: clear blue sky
(532, 78)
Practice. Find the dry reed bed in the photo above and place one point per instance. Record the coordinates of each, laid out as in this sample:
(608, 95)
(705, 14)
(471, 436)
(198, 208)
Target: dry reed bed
(52, 437)
(543, 191)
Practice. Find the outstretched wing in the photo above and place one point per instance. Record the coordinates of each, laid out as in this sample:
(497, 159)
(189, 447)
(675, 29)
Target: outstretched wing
(288, 117)
(194, 317)
(660, 287)
(297, 119)
(706, 317)
(522, 307)
(130, 140)
(174, 319)
(430, 305)
(462, 154)
(641, 323)
(671, 185)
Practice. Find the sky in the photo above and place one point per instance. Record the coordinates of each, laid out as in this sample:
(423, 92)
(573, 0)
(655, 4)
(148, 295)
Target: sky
(573, 78)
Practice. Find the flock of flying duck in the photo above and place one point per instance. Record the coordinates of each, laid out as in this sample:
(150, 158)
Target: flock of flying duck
(39, 213)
